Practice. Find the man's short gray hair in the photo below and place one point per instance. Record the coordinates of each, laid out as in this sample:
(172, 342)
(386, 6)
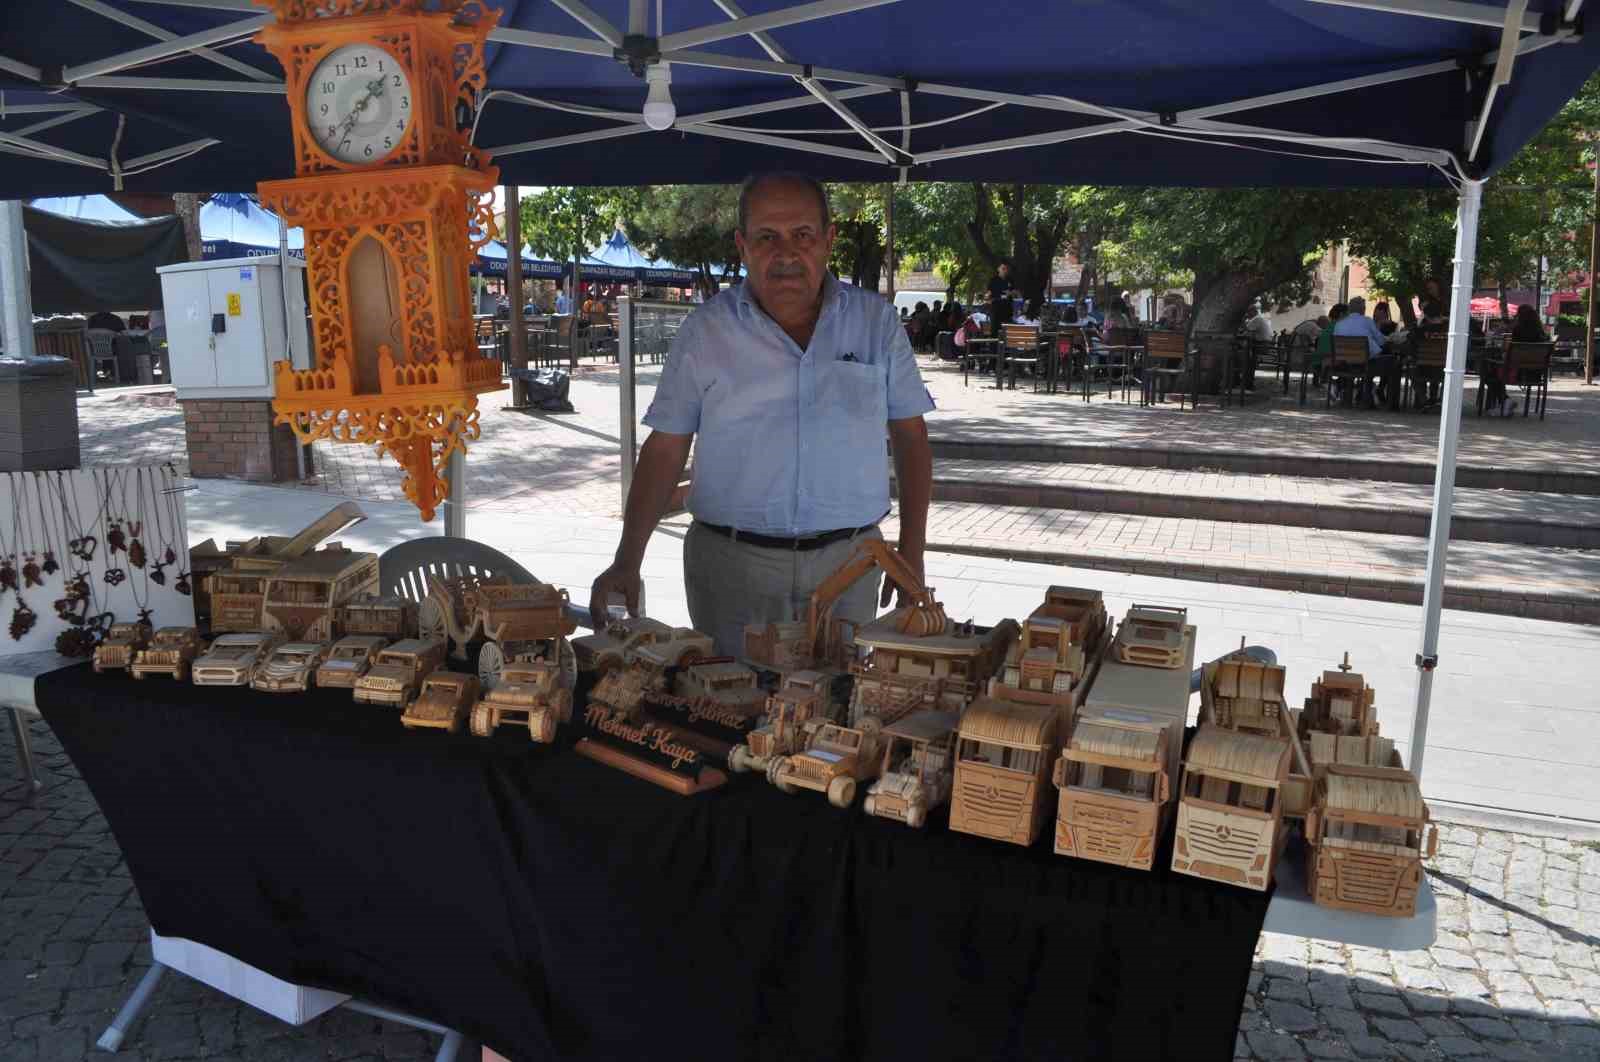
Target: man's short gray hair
(1357, 305)
(756, 180)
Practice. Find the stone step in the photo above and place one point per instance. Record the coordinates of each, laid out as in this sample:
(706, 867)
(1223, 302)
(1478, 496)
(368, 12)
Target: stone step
(1537, 582)
(1480, 515)
(1550, 479)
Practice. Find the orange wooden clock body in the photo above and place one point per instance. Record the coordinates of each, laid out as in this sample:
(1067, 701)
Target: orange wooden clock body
(386, 225)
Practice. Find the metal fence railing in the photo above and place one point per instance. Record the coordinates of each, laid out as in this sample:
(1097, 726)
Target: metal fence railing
(645, 330)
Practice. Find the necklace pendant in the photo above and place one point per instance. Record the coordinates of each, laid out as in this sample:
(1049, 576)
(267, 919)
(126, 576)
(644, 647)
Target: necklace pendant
(50, 567)
(31, 575)
(136, 553)
(22, 620)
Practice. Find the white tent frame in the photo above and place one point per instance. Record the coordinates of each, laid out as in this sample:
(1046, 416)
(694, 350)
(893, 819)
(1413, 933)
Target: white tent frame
(1520, 35)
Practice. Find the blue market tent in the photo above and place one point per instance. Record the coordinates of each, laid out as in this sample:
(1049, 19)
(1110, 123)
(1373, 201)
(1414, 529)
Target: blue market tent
(87, 208)
(236, 225)
(620, 252)
(1314, 93)
(493, 256)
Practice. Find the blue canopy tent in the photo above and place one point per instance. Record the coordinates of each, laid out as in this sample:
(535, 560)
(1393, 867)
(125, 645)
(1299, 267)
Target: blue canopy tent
(1411, 93)
(493, 256)
(87, 208)
(235, 225)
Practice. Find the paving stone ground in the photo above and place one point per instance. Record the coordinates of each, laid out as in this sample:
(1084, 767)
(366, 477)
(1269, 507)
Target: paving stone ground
(1515, 973)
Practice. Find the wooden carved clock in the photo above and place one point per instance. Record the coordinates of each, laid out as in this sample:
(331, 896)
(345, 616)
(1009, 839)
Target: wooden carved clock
(381, 92)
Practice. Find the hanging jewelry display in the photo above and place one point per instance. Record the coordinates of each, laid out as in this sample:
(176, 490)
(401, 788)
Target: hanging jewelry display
(47, 526)
(28, 541)
(75, 607)
(169, 556)
(181, 585)
(136, 548)
(111, 527)
(75, 641)
(22, 620)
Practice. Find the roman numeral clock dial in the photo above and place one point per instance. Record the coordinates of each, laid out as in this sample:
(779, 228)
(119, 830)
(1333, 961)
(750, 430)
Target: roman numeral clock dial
(358, 103)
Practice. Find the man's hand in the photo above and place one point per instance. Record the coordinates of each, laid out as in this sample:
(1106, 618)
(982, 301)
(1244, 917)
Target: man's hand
(892, 589)
(616, 579)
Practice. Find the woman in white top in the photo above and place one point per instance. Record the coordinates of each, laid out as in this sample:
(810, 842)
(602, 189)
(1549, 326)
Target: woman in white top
(1029, 314)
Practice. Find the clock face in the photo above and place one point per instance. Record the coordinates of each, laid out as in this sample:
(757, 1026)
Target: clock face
(358, 103)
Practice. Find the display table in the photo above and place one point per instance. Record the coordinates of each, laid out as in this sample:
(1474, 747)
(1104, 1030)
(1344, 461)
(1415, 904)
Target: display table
(554, 908)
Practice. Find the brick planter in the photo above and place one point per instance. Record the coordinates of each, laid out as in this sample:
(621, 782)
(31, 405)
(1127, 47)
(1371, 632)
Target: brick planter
(236, 439)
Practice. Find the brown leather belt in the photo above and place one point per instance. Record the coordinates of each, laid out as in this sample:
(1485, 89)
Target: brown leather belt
(809, 542)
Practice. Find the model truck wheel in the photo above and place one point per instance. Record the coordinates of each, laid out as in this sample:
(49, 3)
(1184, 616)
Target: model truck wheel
(483, 720)
(562, 705)
(739, 759)
(542, 725)
(871, 806)
(842, 792)
(775, 771)
(491, 662)
(916, 816)
(430, 620)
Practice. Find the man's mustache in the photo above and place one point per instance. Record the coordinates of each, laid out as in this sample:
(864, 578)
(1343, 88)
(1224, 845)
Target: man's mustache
(792, 269)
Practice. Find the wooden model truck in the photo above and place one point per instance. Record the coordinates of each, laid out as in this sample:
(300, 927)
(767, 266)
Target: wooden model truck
(834, 761)
(917, 770)
(257, 558)
(1341, 703)
(800, 706)
(1365, 840)
(398, 671)
(513, 619)
(171, 652)
(1003, 756)
(349, 659)
(945, 669)
(233, 658)
(391, 618)
(305, 598)
(1059, 642)
(530, 692)
(615, 646)
(292, 668)
(116, 651)
(1153, 636)
(1115, 778)
(1230, 815)
(443, 702)
(1243, 693)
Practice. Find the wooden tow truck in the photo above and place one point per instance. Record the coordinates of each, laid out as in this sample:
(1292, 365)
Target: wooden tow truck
(513, 620)
(917, 770)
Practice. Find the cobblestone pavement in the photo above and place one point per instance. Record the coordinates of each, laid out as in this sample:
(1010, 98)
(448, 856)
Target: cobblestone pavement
(1513, 974)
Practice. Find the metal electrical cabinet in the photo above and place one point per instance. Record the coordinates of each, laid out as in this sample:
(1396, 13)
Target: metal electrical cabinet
(225, 325)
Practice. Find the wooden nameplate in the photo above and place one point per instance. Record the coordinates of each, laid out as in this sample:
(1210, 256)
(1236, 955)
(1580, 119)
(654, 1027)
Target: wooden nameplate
(682, 784)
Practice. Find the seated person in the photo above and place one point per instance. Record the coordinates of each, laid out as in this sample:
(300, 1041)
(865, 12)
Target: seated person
(1029, 315)
(106, 319)
(1324, 346)
(1430, 326)
(1380, 365)
(1525, 329)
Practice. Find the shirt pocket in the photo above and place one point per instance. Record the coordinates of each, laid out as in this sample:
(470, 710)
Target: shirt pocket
(850, 477)
(859, 389)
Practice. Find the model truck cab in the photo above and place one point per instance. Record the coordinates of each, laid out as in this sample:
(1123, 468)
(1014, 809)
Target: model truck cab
(1365, 840)
(800, 706)
(398, 671)
(1114, 789)
(917, 768)
(1003, 759)
(1230, 816)
(731, 685)
(1152, 636)
(122, 641)
(1057, 643)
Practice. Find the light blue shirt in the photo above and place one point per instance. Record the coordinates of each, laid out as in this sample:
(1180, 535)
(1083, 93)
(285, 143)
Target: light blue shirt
(563, 304)
(790, 442)
(1359, 324)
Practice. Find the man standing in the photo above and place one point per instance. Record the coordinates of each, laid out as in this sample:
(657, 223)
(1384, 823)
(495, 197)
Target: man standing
(563, 304)
(1000, 298)
(791, 380)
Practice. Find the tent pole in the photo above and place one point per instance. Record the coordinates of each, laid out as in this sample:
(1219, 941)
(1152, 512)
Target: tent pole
(517, 334)
(1444, 479)
(16, 300)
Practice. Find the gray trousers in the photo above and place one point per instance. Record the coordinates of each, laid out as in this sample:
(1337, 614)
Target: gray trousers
(730, 584)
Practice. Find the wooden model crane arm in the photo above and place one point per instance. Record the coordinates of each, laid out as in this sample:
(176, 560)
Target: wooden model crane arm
(923, 617)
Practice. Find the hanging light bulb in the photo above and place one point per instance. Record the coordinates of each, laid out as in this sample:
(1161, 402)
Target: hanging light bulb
(659, 111)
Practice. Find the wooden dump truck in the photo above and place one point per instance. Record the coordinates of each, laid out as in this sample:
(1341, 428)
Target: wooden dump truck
(512, 619)
(1230, 813)
(1059, 642)
(1365, 840)
(1115, 779)
(1003, 755)
(918, 768)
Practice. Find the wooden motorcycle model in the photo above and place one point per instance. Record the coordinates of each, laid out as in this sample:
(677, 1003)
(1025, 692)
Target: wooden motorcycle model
(515, 621)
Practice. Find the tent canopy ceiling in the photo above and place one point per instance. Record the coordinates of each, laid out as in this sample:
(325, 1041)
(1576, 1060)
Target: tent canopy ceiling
(1205, 92)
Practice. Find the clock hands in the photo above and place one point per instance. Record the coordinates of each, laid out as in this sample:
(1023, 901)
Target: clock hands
(374, 89)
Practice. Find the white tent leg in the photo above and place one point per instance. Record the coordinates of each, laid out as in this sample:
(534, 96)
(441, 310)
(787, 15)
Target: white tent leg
(16, 302)
(455, 505)
(1444, 480)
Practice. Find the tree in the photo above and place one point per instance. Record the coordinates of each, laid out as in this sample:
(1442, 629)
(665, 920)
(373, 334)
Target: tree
(858, 250)
(563, 223)
(690, 225)
(1035, 221)
(930, 222)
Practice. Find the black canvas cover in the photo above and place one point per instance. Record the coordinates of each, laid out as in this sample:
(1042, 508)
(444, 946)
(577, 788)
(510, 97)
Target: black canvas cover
(85, 266)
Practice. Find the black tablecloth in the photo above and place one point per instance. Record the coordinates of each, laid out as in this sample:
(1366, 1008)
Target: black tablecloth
(555, 908)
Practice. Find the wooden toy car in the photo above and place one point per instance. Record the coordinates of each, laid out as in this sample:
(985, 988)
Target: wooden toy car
(233, 658)
(398, 670)
(680, 648)
(917, 769)
(171, 652)
(291, 668)
(615, 646)
(732, 685)
(800, 706)
(1230, 817)
(392, 617)
(1115, 778)
(530, 692)
(115, 652)
(834, 761)
(1058, 642)
(305, 599)
(1003, 757)
(1365, 840)
(445, 700)
(1340, 703)
(513, 619)
(349, 659)
(1152, 636)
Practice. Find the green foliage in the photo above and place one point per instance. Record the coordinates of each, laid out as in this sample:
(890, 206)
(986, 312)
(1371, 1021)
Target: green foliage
(562, 223)
(689, 224)
(858, 249)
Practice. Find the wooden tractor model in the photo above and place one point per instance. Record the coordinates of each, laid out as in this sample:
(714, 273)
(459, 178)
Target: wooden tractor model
(798, 709)
(1058, 642)
(530, 692)
(513, 620)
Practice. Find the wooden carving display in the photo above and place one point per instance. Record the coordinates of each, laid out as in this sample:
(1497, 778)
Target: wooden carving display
(171, 652)
(1366, 837)
(1003, 758)
(382, 94)
(1230, 812)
